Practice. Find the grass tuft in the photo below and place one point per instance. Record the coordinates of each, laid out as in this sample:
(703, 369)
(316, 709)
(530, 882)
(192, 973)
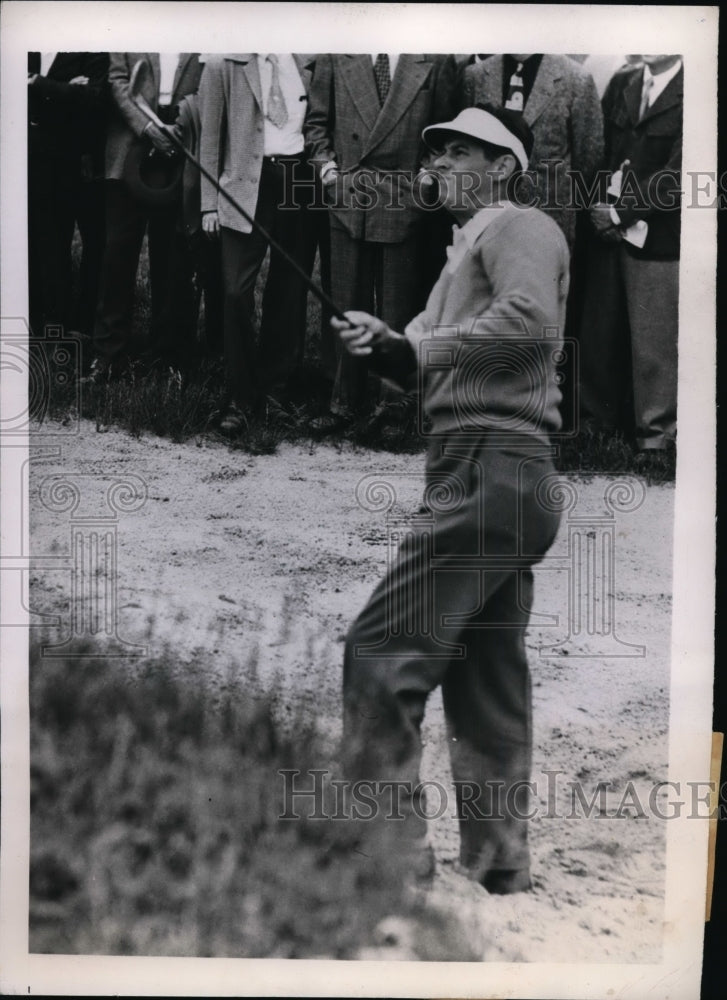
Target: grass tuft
(155, 820)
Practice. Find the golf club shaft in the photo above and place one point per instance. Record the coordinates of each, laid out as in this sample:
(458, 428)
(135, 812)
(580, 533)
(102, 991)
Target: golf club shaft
(325, 299)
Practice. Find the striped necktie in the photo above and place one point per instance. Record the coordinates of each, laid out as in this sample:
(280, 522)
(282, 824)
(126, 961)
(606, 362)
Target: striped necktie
(277, 111)
(645, 95)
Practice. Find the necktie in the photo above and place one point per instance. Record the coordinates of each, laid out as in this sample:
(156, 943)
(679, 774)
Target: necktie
(516, 91)
(383, 75)
(277, 112)
(645, 95)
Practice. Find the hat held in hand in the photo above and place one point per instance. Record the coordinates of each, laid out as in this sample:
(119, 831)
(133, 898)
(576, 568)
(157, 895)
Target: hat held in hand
(152, 177)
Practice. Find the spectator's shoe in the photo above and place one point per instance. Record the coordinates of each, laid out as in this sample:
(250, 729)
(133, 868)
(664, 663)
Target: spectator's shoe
(497, 881)
(234, 421)
(503, 881)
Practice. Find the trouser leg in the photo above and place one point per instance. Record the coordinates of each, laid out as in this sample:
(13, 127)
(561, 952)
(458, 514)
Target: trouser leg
(51, 195)
(604, 361)
(283, 323)
(91, 225)
(173, 322)
(430, 622)
(125, 225)
(242, 257)
(353, 265)
(652, 295)
(487, 703)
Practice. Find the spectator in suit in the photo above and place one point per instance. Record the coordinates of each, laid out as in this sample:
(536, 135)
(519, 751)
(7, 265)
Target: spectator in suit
(66, 134)
(558, 100)
(630, 322)
(172, 77)
(252, 109)
(364, 126)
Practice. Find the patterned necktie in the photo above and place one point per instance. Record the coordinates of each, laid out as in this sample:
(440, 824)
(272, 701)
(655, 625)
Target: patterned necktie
(645, 95)
(516, 91)
(383, 75)
(277, 112)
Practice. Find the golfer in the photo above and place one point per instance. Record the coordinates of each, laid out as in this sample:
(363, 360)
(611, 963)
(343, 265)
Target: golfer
(454, 605)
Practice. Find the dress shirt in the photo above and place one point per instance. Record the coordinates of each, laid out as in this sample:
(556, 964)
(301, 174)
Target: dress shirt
(46, 61)
(660, 80)
(288, 140)
(168, 62)
(465, 237)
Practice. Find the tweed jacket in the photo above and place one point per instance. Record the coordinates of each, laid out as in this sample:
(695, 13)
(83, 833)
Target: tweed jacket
(126, 122)
(378, 150)
(565, 116)
(653, 145)
(233, 133)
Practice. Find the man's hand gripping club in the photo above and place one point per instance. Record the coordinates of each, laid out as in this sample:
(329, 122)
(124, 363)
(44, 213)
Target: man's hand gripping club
(364, 334)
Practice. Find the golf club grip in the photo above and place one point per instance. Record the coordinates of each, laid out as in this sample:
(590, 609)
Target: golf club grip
(325, 299)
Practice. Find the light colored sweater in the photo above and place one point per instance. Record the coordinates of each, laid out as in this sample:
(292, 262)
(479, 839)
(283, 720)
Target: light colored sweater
(488, 338)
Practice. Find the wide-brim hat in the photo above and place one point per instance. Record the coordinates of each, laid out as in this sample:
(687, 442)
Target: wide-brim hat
(152, 177)
(475, 123)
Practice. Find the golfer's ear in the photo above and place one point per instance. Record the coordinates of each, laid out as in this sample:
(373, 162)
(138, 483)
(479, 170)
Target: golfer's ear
(505, 165)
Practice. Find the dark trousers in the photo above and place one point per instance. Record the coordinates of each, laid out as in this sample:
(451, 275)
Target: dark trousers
(58, 200)
(173, 314)
(317, 239)
(254, 370)
(628, 344)
(206, 259)
(452, 610)
(384, 279)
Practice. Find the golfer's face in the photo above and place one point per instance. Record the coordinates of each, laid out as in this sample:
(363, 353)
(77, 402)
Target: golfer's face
(465, 175)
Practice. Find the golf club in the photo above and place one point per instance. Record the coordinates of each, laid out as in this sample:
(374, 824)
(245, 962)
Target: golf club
(138, 75)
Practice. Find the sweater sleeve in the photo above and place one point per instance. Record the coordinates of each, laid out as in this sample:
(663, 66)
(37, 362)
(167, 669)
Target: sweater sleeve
(528, 269)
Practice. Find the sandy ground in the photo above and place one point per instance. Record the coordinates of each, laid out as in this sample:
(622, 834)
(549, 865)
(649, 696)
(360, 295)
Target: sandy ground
(272, 556)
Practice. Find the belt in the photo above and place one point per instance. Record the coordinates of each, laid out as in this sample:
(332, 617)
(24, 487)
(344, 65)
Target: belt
(276, 158)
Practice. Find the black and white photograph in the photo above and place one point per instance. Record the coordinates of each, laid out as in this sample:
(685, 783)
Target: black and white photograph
(358, 491)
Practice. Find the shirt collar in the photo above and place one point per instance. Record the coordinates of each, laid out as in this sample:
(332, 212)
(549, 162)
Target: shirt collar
(465, 237)
(661, 79)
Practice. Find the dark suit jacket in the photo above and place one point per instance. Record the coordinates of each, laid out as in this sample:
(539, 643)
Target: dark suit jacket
(654, 148)
(565, 116)
(377, 149)
(126, 122)
(67, 120)
(233, 139)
